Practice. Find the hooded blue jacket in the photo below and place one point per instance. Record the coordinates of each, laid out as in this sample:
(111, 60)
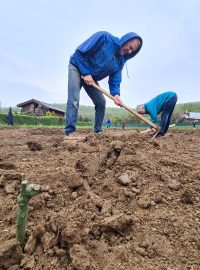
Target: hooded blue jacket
(99, 56)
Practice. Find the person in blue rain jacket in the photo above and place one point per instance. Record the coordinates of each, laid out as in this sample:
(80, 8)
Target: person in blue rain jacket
(99, 56)
(108, 123)
(163, 103)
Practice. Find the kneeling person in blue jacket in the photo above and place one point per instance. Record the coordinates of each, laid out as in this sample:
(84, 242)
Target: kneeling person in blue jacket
(99, 56)
(163, 103)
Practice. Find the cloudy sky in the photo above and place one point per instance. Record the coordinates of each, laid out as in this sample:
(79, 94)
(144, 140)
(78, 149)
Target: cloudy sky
(37, 38)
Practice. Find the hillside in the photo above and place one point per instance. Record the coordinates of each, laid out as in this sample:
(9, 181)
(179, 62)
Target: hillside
(190, 106)
(87, 112)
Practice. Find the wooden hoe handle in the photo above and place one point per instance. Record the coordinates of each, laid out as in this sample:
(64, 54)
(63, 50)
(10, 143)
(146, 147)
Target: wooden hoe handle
(125, 107)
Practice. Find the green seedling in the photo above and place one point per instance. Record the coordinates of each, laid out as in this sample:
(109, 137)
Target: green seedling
(27, 192)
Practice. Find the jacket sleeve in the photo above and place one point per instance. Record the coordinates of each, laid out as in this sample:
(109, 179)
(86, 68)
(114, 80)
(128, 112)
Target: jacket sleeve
(151, 110)
(87, 49)
(114, 83)
(153, 115)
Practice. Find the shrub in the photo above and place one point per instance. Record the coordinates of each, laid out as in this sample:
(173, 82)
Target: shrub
(48, 113)
(28, 120)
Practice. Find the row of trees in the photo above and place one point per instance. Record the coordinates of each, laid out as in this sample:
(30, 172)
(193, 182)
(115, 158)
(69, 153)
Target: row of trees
(116, 115)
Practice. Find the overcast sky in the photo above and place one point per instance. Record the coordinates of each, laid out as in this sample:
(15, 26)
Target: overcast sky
(37, 38)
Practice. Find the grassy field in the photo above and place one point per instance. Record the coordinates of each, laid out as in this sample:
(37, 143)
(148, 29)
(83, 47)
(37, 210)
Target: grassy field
(89, 126)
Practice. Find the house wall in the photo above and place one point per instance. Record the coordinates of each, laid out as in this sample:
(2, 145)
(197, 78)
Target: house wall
(191, 120)
(59, 114)
(32, 106)
(28, 107)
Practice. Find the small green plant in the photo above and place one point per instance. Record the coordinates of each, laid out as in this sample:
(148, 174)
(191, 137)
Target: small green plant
(27, 192)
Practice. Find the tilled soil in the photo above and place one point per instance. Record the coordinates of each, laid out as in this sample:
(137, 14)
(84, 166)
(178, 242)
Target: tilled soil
(119, 201)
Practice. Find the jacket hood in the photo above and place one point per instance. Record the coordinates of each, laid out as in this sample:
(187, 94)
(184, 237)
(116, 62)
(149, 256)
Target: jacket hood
(128, 37)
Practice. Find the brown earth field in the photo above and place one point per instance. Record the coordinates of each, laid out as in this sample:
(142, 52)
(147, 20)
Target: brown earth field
(119, 201)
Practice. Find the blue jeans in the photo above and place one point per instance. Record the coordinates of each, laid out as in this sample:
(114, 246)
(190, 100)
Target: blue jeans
(74, 86)
(166, 114)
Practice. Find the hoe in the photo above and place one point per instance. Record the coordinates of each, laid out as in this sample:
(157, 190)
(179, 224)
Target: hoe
(126, 107)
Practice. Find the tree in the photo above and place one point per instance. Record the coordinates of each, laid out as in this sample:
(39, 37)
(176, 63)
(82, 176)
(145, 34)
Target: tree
(132, 118)
(86, 119)
(115, 120)
(80, 118)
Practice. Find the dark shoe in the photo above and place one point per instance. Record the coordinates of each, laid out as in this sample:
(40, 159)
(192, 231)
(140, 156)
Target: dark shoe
(158, 137)
(98, 134)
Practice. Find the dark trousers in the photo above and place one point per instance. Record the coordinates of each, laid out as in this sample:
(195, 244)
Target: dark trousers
(166, 114)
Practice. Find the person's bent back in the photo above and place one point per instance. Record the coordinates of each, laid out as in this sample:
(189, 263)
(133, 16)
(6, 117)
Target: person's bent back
(163, 103)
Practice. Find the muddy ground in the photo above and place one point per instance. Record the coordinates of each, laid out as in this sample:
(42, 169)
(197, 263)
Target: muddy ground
(115, 202)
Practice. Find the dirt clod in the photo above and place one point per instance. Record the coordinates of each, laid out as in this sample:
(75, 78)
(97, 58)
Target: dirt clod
(34, 146)
(124, 179)
(187, 197)
(10, 253)
(144, 202)
(117, 223)
(81, 260)
(174, 185)
(141, 251)
(28, 262)
(74, 181)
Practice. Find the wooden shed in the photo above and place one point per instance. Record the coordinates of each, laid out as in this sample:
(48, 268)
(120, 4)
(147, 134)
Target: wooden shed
(39, 108)
(189, 117)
